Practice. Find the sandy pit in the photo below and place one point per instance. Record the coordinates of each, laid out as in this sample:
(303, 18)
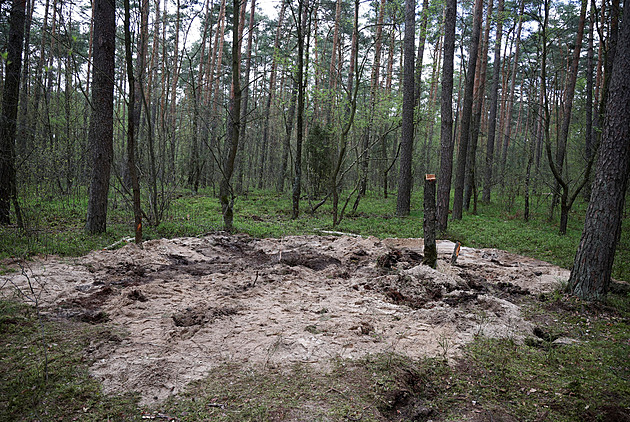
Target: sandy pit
(184, 306)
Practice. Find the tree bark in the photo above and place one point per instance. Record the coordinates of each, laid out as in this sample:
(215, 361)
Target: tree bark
(590, 277)
(458, 199)
(102, 121)
(272, 89)
(403, 203)
(562, 186)
(492, 119)
(131, 140)
(8, 116)
(336, 175)
(374, 90)
(446, 128)
(424, 19)
(568, 101)
(588, 138)
(226, 195)
(430, 248)
(300, 22)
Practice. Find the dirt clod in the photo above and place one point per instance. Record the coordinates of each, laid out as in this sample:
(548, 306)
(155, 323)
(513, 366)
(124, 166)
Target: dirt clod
(201, 315)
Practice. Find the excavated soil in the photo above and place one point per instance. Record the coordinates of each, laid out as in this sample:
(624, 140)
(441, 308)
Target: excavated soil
(184, 306)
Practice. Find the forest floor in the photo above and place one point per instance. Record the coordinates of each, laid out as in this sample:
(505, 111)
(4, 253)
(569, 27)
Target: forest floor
(187, 323)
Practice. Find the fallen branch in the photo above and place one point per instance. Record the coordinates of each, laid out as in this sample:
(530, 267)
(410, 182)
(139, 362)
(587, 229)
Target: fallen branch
(337, 233)
(124, 239)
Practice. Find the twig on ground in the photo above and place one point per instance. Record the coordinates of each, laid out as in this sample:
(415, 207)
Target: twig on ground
(124, 239)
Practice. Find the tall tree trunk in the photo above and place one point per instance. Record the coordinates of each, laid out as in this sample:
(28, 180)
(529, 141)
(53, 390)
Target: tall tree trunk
(403, 203)
(300, 22)
(334, 68)
(272, 89)
(458, 199)
(246, 93)
(446, 126)
(424, 19)
(22, 136)
(568, 101)
(288, 131)
(131, 140)
(226, 195)
(8, 116)
(336, 175)
(564, 129)
(102, 121)
(492, 119)
(374, 89)
(478, 103)
(588, 138)
(590, 277)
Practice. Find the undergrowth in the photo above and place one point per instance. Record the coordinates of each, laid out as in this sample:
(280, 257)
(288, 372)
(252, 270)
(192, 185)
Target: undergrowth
(55, 225)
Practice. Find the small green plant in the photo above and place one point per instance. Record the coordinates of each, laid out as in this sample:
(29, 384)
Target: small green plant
(444, 345)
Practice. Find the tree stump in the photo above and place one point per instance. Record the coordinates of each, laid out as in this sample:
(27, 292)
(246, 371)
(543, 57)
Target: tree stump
(430, 248)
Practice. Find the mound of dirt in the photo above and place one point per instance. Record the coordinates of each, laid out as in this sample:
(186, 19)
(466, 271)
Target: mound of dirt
(188, 305)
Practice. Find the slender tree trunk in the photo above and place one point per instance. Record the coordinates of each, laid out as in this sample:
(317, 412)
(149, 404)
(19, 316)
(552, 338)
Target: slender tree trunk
(492, 119)
(8, 116)
(403, 203)
(424, 19)
(246, 93)
(564, 129)
(588, 139)
(131, 141)
(478, 103)
(22, 136)
(300, 22)
(592, 268)
(390, 57)
(334, 68)
(446, 128)
(336, 175)
(226, 194)
(286, 144)
(428, 139)
(458, 199)
(272, 89)
(418, 90)
(374, 91)
(102, 120)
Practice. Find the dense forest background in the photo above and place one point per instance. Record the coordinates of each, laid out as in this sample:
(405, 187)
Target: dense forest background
(324, 110)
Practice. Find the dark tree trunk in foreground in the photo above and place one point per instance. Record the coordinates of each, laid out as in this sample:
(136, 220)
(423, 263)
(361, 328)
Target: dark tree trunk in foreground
(102, 121)
(8, 117)
(458, 199)
(446, 135)
(226, 194)
(403, 204)
(590, 277)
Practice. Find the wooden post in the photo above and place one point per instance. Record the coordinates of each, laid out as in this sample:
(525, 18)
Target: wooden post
(430, 248)
(455, 254)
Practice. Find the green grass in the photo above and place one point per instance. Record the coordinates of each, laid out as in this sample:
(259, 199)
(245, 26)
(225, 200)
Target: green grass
(44, 373)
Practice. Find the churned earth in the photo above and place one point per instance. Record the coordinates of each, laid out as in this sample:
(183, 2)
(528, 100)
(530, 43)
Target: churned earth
(181, 307)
